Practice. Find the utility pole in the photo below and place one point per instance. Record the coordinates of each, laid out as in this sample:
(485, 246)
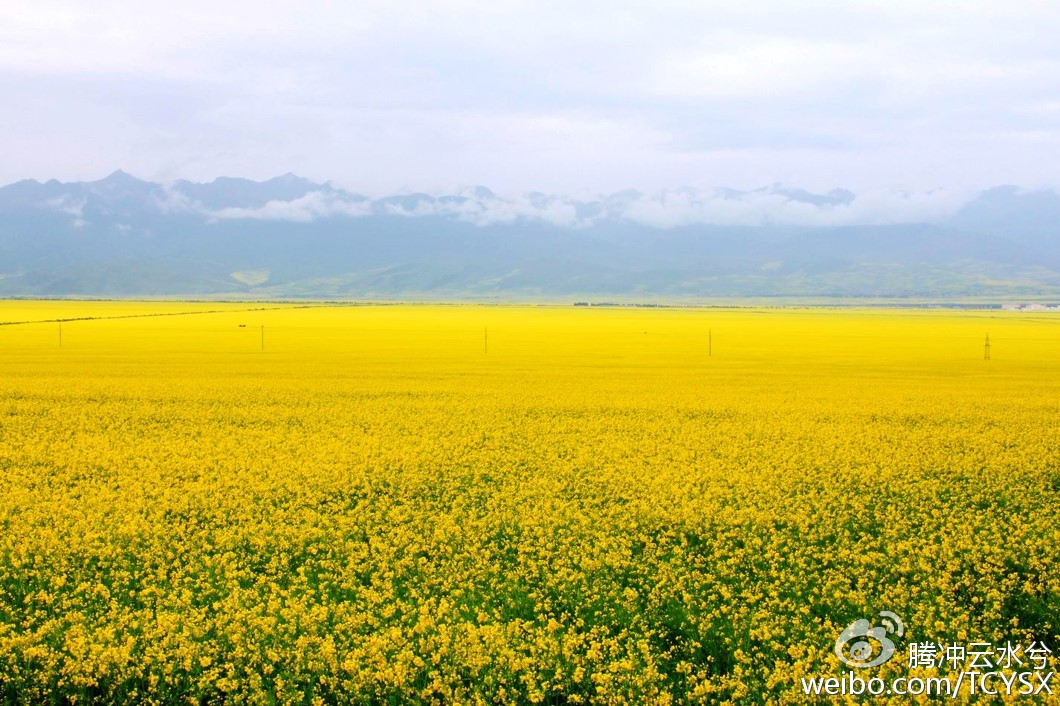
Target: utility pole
(986, 348)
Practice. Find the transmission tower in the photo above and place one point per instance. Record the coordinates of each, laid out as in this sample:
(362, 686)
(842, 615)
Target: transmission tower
(986, 348)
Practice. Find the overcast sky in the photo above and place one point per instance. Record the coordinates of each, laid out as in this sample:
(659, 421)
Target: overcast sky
(553, 96)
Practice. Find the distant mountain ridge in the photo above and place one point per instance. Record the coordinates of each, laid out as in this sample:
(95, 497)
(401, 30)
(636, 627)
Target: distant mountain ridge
(292, 237)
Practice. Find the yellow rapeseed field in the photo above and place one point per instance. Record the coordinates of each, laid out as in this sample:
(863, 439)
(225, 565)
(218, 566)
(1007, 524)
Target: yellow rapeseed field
(262, 503)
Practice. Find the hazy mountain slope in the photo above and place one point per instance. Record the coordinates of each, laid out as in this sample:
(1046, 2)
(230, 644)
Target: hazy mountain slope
(288, 236)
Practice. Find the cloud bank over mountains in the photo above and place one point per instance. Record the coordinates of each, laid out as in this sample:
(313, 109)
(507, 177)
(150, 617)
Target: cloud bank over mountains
(770, 205)
(297, 200)
(289, 236)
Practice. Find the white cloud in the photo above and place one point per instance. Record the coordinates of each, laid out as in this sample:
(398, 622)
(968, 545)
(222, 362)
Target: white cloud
(683, 207)
(175, 201)
(492, 210)
(311, 207)
(67, 205)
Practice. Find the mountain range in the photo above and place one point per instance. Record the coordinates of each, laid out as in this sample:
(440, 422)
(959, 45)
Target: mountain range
(291, 237)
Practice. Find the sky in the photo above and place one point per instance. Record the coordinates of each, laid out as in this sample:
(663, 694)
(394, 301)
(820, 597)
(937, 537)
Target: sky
(561, 97)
